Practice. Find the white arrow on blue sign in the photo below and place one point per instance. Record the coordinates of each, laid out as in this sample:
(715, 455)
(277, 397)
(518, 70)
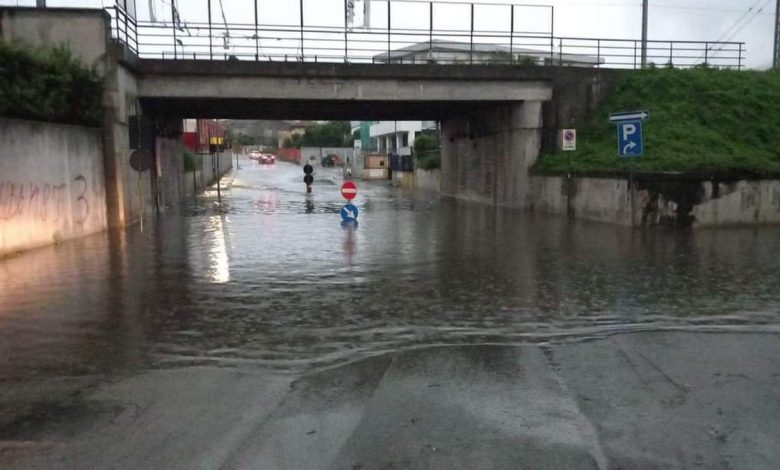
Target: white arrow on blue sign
(629, 116)
(630, 142)
(349, 213)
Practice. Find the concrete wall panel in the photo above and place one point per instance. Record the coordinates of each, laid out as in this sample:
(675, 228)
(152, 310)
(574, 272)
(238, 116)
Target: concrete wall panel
(83, 31)
(170, 86)
(658, 202)
(486, 154)
(51, 184)
(427, 180)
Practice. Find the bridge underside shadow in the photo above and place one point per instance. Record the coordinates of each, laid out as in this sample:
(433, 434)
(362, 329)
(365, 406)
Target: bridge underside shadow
(311, 109)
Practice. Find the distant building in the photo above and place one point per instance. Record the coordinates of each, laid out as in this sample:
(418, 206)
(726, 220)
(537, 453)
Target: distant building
(293, 128)
(198, 132)
(450, 52)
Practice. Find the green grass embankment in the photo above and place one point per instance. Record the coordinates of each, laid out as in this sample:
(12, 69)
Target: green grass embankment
(702, 121)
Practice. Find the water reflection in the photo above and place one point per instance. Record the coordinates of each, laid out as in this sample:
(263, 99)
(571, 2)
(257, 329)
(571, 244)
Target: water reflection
(264, 280)
(219, 269)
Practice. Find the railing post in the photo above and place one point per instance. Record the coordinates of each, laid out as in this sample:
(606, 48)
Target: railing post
(211, 41)
(560, 52)
(303, 55)
(512, 34)
(173, 25)
(671, 53)
(116, 18)
(257, 32)
(739, 63)
(635, 55)
(598, 53)
(471, 37)
(706, 53)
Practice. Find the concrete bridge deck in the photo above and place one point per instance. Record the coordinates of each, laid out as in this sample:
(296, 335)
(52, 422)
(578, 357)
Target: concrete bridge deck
(241, 89)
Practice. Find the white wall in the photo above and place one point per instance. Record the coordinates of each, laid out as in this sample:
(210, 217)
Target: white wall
(389, 127)
(51, 184)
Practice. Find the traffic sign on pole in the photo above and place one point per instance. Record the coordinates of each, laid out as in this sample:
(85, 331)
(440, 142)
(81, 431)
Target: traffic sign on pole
(630, 142)
(349, 213)
(349, 190)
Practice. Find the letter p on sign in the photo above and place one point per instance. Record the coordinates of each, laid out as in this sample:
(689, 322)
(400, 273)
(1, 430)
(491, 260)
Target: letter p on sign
(629, 129)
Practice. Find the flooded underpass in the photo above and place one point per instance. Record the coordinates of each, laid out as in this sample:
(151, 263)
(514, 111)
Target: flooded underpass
(266, 280)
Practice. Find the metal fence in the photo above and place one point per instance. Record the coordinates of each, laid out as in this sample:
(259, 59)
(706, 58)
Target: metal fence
(255, 41)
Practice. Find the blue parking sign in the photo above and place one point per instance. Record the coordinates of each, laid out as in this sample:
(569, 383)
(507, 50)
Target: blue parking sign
(630, 142)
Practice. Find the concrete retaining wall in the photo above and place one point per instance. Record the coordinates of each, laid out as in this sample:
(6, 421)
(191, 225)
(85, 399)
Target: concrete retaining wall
(658, 200)
(486, 154)
(427, 180)
(51, 184)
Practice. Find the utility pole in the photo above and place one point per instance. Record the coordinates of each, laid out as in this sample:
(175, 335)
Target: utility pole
(776, 56)
(644, 32)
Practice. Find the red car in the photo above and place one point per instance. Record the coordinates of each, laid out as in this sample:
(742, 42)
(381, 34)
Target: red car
(267, 159)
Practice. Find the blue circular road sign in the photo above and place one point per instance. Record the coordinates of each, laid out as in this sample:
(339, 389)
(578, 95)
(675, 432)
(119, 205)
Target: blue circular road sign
(349, 213)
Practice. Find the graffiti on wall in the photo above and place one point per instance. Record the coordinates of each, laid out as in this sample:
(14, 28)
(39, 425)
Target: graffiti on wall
(43, 201)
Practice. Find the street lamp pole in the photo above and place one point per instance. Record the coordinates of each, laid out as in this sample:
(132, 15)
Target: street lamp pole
(644, 32)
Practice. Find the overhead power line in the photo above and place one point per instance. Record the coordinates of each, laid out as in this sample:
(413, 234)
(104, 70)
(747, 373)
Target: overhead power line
(749, 20)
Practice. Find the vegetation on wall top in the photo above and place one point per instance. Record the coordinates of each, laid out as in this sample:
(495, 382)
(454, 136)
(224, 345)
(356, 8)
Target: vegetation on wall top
(48, 84)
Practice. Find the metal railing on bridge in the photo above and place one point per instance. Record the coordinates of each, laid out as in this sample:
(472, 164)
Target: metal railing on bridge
(255, 41)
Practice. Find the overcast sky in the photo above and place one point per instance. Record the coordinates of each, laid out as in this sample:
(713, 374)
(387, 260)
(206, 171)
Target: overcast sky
(705, 20)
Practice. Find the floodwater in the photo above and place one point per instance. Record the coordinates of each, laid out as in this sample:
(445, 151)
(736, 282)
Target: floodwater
(268, 278)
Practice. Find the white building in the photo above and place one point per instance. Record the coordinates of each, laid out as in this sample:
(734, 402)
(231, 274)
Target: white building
(453, 52)
(397, 136)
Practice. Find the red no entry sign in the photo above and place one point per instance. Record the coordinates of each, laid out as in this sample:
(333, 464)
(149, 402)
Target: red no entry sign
(349, 190)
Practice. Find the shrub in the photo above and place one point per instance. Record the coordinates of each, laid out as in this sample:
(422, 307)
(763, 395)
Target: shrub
(189, 161)
(48, 84)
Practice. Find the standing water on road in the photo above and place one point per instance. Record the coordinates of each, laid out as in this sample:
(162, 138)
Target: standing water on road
(268, 278)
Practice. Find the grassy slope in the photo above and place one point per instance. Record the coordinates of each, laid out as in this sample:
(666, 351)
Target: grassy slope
(701, 121)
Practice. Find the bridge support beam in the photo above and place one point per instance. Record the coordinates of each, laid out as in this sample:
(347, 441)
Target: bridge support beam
(486, 154)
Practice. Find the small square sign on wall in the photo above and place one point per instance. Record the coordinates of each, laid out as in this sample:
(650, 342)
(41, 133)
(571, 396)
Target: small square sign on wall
(569, 140)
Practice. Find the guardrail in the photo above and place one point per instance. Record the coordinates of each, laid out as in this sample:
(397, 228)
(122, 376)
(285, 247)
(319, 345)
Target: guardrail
(263, 42)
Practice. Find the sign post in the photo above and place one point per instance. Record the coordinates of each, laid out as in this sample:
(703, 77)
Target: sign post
(349, 213)
(630, 140)
(569, 144)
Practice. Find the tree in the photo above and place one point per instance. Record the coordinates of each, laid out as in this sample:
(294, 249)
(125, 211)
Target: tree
(245, 140)
(293, 142)
(330, 134)
(426, 152)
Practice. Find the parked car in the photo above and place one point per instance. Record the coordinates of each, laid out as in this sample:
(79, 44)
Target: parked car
(331, 160)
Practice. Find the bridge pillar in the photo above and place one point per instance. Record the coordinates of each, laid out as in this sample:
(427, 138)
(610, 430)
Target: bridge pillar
(487, 152)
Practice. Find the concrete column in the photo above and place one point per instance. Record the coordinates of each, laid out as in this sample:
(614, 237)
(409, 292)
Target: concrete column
(486, 153)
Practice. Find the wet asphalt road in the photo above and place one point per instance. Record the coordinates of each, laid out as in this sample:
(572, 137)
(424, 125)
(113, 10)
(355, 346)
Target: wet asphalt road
(217, 308)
